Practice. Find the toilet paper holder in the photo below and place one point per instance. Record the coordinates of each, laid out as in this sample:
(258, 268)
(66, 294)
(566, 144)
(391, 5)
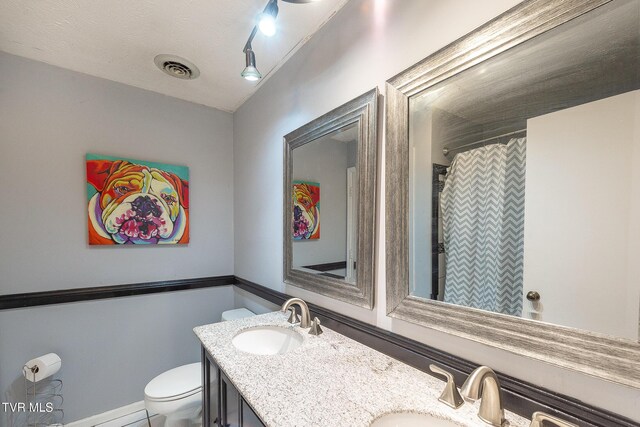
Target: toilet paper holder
(43, 399)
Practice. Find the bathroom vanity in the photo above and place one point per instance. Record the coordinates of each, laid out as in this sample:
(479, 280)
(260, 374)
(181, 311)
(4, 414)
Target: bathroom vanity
(319, 381)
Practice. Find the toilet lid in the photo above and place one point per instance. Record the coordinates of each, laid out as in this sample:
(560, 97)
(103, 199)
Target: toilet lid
(177, 382)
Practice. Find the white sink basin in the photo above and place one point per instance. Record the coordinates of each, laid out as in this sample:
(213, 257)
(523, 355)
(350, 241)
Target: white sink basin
(409, 419)
(267, 340)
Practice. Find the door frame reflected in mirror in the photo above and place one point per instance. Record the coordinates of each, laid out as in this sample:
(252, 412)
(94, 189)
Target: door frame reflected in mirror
(361, 111)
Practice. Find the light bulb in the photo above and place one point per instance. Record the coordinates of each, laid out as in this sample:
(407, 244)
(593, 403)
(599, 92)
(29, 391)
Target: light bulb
(267, 24)
(251, 75)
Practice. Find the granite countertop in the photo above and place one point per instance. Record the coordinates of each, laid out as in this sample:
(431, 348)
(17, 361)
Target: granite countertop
(329, 380)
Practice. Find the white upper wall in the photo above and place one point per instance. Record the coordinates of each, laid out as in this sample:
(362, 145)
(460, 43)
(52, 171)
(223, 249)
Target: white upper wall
(49, 119)
(365, 44)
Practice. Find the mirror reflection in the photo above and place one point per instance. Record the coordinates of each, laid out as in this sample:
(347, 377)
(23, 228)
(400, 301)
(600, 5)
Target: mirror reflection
(325, 182)
(525, 179)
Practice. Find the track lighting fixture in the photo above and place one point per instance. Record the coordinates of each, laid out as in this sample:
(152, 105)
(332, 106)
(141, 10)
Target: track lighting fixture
(267, 25)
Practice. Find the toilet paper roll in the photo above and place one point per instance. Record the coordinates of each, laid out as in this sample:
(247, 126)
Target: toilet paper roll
(42, 367)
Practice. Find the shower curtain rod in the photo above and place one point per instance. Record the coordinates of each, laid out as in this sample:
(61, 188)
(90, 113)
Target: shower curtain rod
(446, 150)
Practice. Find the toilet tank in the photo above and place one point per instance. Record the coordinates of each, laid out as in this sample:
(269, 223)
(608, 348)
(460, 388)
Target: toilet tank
(238, 313)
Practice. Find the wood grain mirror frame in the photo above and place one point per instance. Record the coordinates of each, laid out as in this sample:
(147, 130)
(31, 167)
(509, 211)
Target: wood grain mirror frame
(361, 111)
(608, 358)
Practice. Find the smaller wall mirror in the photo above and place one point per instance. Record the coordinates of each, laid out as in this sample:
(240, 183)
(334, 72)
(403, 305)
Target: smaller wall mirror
(329, 202)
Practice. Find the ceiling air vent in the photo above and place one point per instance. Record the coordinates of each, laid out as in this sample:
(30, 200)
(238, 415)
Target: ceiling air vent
(177, 67)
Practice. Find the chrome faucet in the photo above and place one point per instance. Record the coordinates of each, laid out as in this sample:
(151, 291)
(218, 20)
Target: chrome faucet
(304, 310)
(538, 417)
(483, 384)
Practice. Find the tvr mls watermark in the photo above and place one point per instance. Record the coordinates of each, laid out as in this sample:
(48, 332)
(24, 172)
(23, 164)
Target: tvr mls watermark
(31, 407)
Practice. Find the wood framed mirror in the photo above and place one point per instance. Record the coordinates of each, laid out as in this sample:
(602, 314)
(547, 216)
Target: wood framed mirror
(512, 186)
(329, 202)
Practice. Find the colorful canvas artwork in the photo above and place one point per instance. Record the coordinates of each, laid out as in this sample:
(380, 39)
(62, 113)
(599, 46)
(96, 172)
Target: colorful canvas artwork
(136, 202)
(306, 210)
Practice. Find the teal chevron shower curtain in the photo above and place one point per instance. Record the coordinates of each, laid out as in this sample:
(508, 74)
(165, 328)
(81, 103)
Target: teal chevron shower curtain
(483, 217)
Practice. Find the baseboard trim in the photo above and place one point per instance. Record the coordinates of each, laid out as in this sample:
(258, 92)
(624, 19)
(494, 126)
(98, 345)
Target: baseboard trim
(111, 415)
(519, 396)
(328, 266)
(62, 296)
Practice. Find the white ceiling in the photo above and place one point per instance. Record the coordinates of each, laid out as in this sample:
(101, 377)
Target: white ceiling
(118, 39)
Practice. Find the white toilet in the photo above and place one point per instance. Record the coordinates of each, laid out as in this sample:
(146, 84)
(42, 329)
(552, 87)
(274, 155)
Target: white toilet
(177, 393)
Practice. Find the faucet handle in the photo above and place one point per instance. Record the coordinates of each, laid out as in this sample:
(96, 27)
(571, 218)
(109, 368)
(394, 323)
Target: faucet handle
(315, 327)
(538, 417)
(293, 317)
(450, 395)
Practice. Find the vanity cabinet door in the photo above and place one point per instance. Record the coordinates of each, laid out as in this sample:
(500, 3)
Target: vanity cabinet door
(210, 392)
(230, 403)
(235, 410)
(222, 404)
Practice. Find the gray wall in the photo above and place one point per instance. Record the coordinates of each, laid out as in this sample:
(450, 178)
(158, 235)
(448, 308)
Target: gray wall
(110, 349)
(364, 44)
(49, 119)
(252, 302)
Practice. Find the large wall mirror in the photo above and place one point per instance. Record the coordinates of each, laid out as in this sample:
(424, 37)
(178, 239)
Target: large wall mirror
(513, 186)
(329, 202)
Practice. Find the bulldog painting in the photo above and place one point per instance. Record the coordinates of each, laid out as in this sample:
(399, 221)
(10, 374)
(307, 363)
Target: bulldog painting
(137, 202)
(306, 210)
